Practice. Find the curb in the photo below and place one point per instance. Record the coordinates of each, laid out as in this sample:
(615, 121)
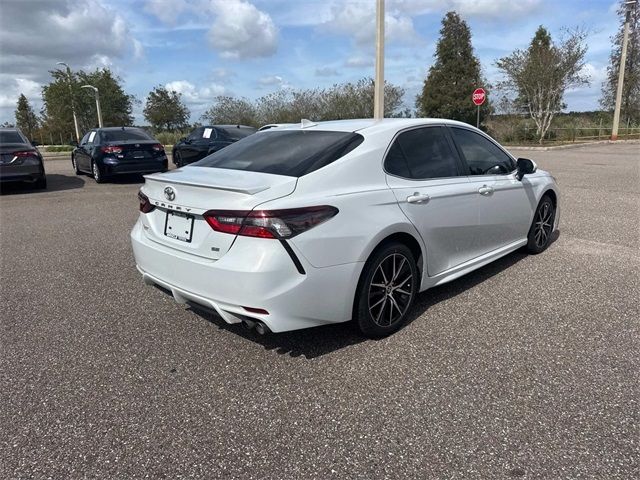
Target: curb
(571, 145)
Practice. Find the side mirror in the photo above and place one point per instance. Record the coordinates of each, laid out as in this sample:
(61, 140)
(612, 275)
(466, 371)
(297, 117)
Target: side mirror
(524, 166)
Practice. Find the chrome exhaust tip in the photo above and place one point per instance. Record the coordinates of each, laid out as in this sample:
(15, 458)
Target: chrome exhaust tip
(248, 324)
(261, 328)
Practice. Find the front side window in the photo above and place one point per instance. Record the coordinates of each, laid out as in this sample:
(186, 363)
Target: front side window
(483, 156)
(422, 153)
(293, 152)
(85, 139)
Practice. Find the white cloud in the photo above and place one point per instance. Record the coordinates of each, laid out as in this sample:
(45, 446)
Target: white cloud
(14, 87)
(193, 95)
(359, 62)
(166, 10)
(326, 72)
(223, 74)
(491, 9)
(242, 31)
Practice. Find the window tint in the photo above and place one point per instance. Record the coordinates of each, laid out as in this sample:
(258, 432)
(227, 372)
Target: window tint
(482, 156)
(11, 136)
(291, 153)
(426, 154)
(85, 139)
(235, 133)
(125, 135)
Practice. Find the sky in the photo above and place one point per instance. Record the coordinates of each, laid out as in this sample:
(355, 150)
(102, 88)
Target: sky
(249, 48)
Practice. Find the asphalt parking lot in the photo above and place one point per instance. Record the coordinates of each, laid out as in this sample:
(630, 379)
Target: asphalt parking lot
(527, 368)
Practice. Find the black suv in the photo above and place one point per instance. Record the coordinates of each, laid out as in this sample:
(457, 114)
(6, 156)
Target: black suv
(104, 152)
(205, 140)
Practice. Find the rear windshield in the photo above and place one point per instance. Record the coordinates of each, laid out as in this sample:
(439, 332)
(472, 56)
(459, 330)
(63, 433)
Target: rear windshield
(124, 135)
(11, 136)
(293, 152)
(237, 133)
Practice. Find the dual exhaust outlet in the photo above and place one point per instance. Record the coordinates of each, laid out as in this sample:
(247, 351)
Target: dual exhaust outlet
(260, 327)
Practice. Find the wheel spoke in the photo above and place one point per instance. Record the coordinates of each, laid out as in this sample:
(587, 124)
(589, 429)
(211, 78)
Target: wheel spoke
(397, 272)
(399, 284)
(404, 292)
(378, 303)
(381, 310)
(379, 285)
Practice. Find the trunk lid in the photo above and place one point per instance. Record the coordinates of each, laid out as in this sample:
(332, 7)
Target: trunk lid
(177, 220)
(8, 150)
(136, 150)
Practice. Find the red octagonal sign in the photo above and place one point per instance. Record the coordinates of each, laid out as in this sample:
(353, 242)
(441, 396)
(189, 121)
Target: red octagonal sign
(479, 96)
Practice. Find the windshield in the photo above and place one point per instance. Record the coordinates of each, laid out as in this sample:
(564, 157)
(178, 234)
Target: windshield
(124, 135)
(293, 152)
(11, 136)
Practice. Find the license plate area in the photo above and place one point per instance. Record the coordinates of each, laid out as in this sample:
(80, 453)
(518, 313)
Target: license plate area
(179, 225)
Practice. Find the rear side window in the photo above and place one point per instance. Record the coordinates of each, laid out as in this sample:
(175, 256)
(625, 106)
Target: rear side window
(421, 153)
(124, 135)
(292, 153)
(483, 156)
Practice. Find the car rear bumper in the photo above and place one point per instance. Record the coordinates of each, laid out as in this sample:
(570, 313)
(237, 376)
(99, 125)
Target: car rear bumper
(148, 166)
(255, 273)
(21, 173)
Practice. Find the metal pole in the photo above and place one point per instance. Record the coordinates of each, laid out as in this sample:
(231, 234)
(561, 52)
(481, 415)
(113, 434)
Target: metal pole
(73, 107)
(623, 61)
(478, 118)
(98, 108)
(378, 95)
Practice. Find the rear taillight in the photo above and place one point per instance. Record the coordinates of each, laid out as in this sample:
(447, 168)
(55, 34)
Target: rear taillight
(111, 149)
(24, 154)
(145, 204)
(157, 148)
(269, 223)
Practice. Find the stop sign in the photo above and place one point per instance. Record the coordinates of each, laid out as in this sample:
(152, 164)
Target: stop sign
(479, 96)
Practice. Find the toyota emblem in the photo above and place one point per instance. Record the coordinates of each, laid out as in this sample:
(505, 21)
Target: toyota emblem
(169, 194)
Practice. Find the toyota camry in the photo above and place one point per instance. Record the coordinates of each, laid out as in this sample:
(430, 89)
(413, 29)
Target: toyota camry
(327, 222)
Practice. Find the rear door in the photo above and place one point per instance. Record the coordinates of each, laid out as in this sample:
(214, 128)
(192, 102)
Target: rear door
(426, 176)
(504, 202)
(197, 145)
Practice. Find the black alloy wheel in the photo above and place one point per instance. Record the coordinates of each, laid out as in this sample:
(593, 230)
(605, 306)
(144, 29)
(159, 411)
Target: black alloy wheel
(541, 229)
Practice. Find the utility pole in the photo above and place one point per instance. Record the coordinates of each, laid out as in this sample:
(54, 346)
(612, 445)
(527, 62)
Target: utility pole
(378, 95)
(623, 61)
(73, 108)
(95, 90)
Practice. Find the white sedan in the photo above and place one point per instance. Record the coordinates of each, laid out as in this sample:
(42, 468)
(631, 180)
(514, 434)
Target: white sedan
(321, 223)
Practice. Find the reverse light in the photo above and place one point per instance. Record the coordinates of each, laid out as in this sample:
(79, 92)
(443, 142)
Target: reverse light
(111, 149)
(286, 223)
(145, 204)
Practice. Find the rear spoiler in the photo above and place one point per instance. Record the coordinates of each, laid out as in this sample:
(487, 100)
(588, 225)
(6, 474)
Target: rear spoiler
(247, 190)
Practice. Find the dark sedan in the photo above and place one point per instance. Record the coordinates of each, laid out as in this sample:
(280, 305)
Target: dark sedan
(105, 152)
(206, 140)
(20, 161)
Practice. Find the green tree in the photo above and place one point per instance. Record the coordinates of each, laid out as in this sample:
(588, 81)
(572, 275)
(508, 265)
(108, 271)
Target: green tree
(63, 92)
(165, 109)
(26, 118)
(452, 78)
(630, 105)
(539, 76)
(230, 110)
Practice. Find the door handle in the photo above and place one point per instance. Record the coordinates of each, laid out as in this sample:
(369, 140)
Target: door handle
(418, 198)
(485, 190)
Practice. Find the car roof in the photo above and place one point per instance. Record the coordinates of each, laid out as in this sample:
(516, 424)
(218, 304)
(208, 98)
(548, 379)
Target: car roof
(107, 129)
(370, 125)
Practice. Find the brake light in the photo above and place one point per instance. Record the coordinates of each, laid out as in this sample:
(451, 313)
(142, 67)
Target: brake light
(157, 148)
(145, 204)
(24, 154)
(111, 149)
(285, 223)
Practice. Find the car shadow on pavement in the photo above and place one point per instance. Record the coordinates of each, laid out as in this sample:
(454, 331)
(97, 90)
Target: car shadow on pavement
(318, 341)
(55, 183)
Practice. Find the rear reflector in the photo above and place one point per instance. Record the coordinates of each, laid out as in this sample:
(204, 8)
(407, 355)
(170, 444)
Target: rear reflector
(285, 223)
(145, 204)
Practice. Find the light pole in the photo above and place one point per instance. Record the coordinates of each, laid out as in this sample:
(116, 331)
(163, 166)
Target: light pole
(95, 89)
(73, 108)
(623, 61)
(378, 89)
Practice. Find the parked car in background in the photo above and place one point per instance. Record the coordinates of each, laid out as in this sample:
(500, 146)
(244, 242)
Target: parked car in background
(321, 223)
(20, 160)
(105, 152)
(207, 139)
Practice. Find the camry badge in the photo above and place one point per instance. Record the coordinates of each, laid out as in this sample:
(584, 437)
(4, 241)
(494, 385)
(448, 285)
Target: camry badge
(169, 194)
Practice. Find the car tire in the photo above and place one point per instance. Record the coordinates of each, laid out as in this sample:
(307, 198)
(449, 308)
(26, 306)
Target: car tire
(386, 291)
(178, 163)
(41, 183)
(98, 176)
(75, 165)
(539, 236)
